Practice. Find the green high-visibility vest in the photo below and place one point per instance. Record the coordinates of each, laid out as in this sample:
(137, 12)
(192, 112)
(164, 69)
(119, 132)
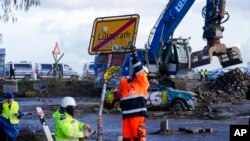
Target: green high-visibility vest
(206, 72)
(11, 113)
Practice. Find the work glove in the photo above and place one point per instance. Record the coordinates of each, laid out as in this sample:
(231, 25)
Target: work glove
(16, 114)
(86, 126)
(134, 58)
(86, 134)
(134, 52)
(136, 64)
(111, 72)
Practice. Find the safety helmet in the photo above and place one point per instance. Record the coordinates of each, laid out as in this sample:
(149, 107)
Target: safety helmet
(171, 76)
(145, 69)
(9, 96)
(68, 101)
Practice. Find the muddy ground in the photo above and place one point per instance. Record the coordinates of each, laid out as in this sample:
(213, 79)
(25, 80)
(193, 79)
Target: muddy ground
(215, 116)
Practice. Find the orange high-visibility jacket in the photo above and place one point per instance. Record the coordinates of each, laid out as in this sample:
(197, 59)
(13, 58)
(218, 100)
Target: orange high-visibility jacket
(133, 102)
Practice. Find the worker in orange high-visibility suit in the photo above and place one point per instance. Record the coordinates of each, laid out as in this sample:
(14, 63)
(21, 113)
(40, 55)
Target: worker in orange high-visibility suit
(133, 101)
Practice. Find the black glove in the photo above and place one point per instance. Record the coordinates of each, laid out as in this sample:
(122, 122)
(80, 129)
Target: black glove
(134, 60)
(134, 52)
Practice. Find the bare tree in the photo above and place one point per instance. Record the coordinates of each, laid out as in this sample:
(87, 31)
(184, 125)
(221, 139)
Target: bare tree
(9, 6)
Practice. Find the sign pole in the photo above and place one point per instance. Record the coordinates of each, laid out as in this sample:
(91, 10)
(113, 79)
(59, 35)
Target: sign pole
(100, 120)
(111, 35)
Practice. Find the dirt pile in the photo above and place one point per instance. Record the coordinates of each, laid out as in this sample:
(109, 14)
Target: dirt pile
(29, 135)
(232, 86)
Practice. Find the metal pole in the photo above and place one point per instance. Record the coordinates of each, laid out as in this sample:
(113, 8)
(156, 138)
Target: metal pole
(100, 120)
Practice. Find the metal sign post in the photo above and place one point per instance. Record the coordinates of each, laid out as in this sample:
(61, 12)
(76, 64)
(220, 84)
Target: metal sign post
(111, 35)
(100, 120)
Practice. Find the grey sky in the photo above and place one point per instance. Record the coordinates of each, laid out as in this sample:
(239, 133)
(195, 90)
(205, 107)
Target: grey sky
(69, 22)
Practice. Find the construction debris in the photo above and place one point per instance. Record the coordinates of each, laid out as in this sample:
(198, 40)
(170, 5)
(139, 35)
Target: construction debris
(164, 129)
(196, 130)
(27, 134)
(231, 87)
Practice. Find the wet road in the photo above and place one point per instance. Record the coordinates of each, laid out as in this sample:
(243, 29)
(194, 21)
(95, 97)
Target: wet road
(112, 127)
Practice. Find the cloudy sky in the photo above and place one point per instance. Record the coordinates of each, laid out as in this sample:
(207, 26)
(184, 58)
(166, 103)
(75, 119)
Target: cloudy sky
(69, 22)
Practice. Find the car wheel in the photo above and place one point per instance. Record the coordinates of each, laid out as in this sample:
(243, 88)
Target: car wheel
(27, 77)
(178, 105)
(74, 77)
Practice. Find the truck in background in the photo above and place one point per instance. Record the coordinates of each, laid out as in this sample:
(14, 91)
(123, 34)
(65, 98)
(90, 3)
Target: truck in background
(45, 70)
(23, 70)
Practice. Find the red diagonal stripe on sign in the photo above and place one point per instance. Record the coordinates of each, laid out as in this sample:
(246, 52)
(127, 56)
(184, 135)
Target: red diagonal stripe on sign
(116, 33)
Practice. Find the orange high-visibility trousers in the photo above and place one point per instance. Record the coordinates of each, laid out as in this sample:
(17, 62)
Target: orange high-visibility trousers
(134, 128)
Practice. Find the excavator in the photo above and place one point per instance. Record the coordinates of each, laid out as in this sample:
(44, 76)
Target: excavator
(166, 56)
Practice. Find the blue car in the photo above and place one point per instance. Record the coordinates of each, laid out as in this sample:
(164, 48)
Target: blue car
(216, 73)
(159, 97)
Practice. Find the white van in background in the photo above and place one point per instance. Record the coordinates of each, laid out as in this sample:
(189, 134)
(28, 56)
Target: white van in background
(88, 70)
(45, 70)
(23, 70)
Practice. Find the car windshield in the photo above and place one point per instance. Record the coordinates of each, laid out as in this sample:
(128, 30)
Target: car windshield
(155, 86)
(67, 67)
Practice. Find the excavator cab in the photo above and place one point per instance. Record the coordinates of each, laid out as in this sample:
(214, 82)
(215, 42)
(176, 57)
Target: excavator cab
(175, 56)
(215, 15)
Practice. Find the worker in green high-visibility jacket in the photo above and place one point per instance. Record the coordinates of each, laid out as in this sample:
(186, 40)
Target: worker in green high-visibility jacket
(67, 128)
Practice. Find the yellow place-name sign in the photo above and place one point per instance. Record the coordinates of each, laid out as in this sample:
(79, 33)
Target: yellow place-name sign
(113, 34)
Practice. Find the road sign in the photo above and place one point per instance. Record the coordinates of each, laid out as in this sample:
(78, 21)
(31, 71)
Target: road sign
(56, 49)
(113, 34)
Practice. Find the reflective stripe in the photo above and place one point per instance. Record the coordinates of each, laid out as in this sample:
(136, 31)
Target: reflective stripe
(133, 96)
(134, 111)
(139, 72)
(134, 106)
(137, 64)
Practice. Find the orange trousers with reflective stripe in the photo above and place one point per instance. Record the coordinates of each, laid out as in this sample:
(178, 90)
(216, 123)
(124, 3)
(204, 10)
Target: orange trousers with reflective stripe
(134, 128)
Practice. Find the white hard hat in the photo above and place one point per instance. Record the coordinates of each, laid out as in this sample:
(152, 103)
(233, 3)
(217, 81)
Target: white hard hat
(145, 69)
(68, 101)
(172, 76)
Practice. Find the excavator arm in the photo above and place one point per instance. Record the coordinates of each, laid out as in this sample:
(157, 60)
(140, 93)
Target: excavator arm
(215, 15)
(166, 55)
